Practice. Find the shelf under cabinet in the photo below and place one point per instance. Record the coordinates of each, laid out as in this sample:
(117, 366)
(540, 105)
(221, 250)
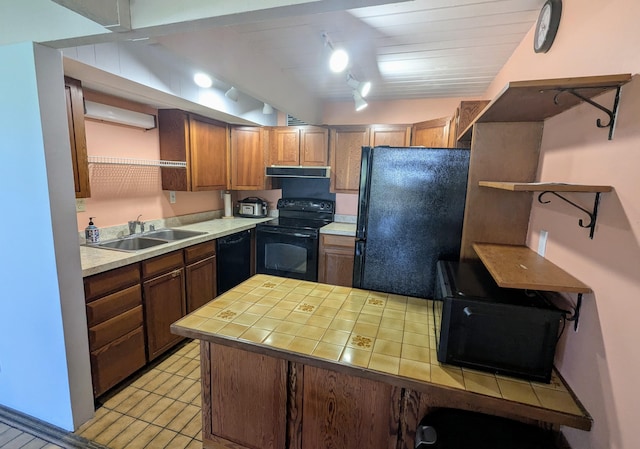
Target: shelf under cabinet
(543, 187)
(513, 266)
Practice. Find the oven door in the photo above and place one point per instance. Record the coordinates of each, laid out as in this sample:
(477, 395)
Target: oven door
(288, 253)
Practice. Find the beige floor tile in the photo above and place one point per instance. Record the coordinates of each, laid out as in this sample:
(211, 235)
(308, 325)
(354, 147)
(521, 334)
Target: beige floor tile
(190, 394)
(180, 388)
(183, 418)
(111, 402)
(168, 414)
(36, 443)
(180, 442)
(100, 412)
(154, 383)
(114, 430)
(100, 425)
(188, 367)
(162, 439)
(194, 444)
(156, 409)
(132, 400)
(142, 440)
(143, 406)
(177, 365)
(194, 427)
(195, 374)
(129, 434)
(168, 386)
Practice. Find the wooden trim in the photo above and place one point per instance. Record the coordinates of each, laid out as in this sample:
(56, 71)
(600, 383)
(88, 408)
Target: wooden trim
(123, 103)
(295, 395)
(205, 375)
(544, 187)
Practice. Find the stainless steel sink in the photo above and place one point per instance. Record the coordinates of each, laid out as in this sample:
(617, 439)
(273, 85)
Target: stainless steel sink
(131, 243)
(172, 234)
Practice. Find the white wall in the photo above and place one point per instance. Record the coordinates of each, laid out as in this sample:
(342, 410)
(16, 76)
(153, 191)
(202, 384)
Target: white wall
(44, 363)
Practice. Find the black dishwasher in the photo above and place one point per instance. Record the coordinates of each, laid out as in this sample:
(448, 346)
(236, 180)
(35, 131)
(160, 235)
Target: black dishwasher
(234, 260)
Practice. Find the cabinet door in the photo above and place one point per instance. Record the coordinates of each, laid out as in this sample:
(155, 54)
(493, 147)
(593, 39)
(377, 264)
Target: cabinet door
(164, 303)
(345, 154)
(391, 135)
(248, 398)
(77, 137)
(432, 133)
(248, 159)
(208, 155)
(314, 146)
(285, 146)
(335, 264)
(201, 283)
(343, 411)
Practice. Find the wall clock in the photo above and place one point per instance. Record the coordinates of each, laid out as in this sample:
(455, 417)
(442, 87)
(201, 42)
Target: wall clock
(547, 25)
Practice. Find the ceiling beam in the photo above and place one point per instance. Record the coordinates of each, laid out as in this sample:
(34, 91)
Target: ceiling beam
(114, 15)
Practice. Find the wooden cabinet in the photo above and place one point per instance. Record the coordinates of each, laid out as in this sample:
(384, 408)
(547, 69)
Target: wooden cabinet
(345, 151)
(200, 142)
(77, 136)
(115, 321)
(248, 399)
(344, 411)
(200, 273)
(299, 145)
(466, 112)
(432, 133)
(335, 264)
(249, 157)
(164, 300)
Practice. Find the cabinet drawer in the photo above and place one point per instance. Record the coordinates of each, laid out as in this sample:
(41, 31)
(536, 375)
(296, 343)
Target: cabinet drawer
(117, 360)
(113, 305)
(115, 328)
(339, 240)
(110, 281)
(201, 251)
(161, 264)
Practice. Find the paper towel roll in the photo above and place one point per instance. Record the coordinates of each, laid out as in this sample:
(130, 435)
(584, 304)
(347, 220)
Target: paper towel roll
(227, 206)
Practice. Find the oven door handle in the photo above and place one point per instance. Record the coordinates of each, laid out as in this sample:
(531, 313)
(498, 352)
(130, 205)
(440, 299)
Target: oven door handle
(289, 232)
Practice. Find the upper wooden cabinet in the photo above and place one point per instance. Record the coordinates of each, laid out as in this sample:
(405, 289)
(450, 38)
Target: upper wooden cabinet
(249, 156)
(345, 151)
(77, 136)
(299, 145)
(432, 133)
(201, 143)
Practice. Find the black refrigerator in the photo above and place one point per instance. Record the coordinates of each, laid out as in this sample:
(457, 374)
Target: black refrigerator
(410, 213)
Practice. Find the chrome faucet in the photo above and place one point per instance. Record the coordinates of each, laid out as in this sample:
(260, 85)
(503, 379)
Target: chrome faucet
(132, 225)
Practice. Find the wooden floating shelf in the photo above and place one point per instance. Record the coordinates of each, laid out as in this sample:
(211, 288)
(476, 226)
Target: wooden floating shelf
(544, 187)
(513, 266)
(535, 101)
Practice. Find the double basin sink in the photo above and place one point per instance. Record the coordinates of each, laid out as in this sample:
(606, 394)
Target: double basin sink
(147, 240)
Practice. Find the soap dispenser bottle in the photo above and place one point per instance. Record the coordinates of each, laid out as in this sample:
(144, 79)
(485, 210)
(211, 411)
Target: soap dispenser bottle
(91, 232)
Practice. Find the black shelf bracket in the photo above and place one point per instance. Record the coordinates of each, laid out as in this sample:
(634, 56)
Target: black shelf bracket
(576, 313)
(593, 215)
(611, 113)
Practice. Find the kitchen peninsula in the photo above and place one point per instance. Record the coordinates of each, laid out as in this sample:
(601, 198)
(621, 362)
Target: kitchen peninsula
(298, 364)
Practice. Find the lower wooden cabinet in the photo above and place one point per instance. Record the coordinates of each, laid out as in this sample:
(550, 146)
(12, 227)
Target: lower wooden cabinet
(256, 401)
(164, 303)
(200, 273)
(336, 255)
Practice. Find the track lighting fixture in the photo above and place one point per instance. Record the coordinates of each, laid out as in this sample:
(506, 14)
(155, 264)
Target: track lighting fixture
(363, 87)
(203, 80)
(232, 94)
(267, 109)
(339, 58)
(359, 101)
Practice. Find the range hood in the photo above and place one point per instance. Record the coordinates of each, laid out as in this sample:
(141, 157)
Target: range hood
(297, 171)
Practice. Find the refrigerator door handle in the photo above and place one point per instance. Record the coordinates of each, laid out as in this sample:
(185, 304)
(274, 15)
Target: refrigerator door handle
(363, 196)
(358, 263)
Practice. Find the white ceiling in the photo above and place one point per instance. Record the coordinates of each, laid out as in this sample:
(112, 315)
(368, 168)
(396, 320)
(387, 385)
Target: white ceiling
(273, 50)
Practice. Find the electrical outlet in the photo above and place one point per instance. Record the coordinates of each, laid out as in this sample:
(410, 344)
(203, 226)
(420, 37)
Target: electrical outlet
(80, 205)
(172, 197)
(542, 242)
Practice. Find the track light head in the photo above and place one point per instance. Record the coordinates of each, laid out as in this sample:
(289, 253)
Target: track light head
(232, 94)
(360, 103)
(267, 109)
(363, 87)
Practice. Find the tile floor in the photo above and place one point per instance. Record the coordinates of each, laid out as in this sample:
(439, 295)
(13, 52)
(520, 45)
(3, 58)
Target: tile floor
(14, 438)
(158, 409)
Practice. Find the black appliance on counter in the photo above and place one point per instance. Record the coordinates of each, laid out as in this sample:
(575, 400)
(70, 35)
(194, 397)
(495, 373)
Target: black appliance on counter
(234, 260)
(483, 326)
(410, 212)
(288, 245)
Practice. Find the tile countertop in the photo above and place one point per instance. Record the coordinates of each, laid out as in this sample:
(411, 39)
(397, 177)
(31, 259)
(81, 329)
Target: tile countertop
(98, 260)
(389, 334)
(337, 228)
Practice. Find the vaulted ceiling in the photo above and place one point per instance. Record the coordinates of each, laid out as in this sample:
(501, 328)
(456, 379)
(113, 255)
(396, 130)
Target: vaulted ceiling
(273, 50)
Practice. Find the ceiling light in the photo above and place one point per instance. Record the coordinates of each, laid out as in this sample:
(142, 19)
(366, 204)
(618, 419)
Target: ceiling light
(121, 116)
(232, 94)
(360, 103)
(363, 87)
(267, 109)
(338, 61)
(202, 80)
